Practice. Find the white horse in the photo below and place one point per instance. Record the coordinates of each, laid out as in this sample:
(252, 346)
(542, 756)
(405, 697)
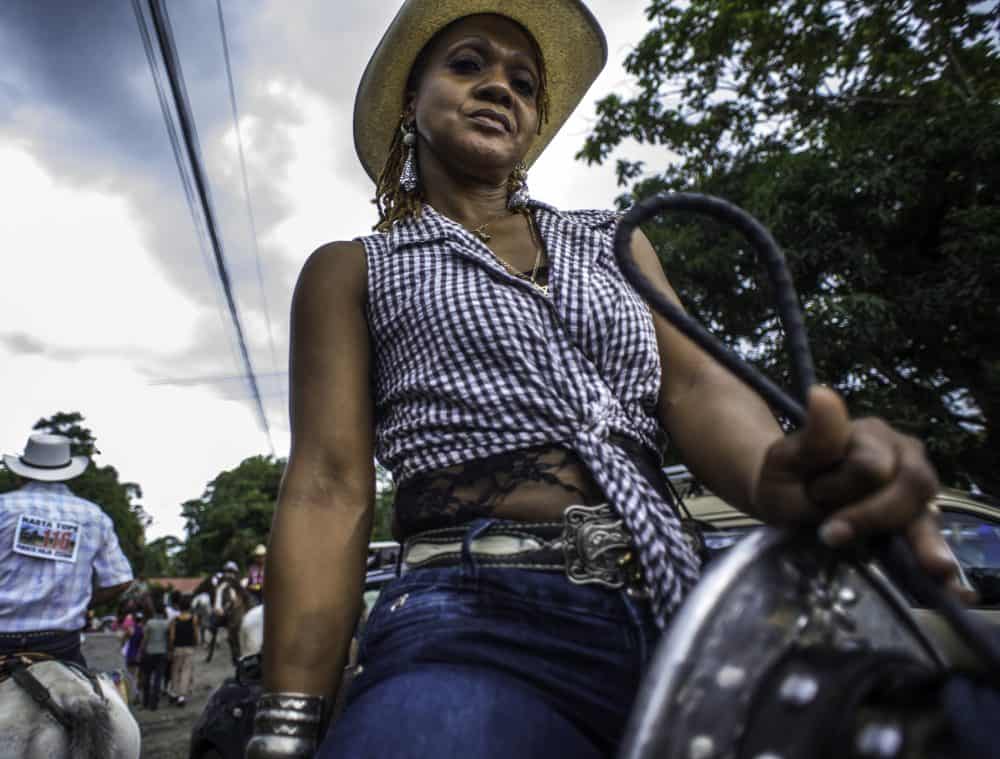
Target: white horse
(232, 602)
(100, 724)
(201, 608)
(252, 631)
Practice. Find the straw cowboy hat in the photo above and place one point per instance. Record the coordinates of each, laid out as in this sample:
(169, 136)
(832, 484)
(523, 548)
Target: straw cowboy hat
(572, 44)
(47, 458)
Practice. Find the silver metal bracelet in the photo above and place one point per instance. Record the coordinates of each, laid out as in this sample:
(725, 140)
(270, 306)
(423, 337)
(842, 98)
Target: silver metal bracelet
(286, 726)
(280, 747)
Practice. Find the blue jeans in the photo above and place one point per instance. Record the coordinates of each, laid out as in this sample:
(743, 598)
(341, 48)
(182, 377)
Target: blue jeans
(471, 661)
(153, 668)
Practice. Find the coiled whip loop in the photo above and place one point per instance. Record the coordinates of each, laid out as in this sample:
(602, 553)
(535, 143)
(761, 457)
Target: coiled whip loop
(893, 552)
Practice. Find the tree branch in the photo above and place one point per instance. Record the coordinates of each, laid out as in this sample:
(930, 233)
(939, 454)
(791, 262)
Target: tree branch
(956, 66)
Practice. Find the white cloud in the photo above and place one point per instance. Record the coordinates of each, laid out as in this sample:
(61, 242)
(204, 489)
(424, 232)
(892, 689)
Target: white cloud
(82, 275)
(78, 280)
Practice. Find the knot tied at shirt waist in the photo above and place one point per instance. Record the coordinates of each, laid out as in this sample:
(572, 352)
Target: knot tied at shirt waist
(670, 567)
(595, 425)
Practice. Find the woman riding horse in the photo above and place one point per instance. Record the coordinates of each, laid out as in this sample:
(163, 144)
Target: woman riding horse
(487, 349)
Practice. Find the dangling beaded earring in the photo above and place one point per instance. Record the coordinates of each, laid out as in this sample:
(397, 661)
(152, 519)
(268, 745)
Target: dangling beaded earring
(519, 196)
(408, 176)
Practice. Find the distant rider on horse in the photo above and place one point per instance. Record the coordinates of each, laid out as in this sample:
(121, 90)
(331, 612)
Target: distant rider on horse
(230, 603)
(58, 554)
(230, 577)
(254, 581)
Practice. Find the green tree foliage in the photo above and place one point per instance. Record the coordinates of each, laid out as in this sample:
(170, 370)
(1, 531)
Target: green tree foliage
(161, 557)
(866, 135)
(8, 481)
(232, 516)
(99, 484)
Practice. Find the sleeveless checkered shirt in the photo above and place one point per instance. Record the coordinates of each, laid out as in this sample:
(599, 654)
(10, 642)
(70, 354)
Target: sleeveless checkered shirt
(470, 361)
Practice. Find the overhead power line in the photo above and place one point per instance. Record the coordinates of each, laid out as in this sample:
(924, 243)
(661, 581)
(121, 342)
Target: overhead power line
(263, 379)
(192, 154)
(246, 186)
(158, 72)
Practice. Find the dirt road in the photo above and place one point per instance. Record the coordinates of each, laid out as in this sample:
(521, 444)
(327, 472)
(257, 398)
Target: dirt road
(166, 732)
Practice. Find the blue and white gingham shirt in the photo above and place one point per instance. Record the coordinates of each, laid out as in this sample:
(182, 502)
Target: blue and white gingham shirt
(42, 594)
(471, 361)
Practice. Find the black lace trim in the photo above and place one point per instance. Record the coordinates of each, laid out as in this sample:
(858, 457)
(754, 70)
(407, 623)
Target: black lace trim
(475, 489)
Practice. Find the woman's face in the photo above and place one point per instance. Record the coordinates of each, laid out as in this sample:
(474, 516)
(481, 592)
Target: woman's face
(475, 103)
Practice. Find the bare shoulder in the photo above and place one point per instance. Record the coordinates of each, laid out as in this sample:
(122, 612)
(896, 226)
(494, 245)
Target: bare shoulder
(649, 263)
(334, 276)
(336, 266)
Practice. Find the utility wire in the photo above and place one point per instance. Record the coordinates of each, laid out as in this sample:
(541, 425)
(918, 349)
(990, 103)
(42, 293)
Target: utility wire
(246, 186)
(168, 51)
(155, 67)
(264, 378)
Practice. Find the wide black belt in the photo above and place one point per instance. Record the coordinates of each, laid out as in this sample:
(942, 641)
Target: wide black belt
(591, 545)
(44, 641)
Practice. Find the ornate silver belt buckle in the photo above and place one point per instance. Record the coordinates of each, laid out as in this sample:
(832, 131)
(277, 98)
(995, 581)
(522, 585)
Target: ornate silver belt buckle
(596, 546)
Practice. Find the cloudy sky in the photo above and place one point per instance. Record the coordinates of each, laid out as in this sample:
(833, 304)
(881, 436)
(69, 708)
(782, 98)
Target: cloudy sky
(110, 304)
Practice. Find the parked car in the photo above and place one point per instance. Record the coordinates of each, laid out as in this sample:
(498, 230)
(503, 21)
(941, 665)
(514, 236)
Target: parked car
(971, 525)
(382, 554)
(107, 623)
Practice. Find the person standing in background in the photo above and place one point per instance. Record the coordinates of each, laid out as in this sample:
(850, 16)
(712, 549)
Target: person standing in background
(184, 635)
(171, 612)
(132, 646)
(153, 657)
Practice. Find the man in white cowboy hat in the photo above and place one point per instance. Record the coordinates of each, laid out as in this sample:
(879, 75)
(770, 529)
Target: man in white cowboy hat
(58, 553)
(254, 581)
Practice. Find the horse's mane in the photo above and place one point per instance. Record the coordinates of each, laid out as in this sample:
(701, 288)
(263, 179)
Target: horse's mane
(91, 733)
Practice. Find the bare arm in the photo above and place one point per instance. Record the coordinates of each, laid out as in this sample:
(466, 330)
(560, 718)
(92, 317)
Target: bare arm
(103, 595)
(721, 427)
(321, 528)
(855, 477)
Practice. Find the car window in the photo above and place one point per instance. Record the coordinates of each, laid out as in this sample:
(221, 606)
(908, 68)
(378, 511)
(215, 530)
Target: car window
(975, 541)
(383, 555)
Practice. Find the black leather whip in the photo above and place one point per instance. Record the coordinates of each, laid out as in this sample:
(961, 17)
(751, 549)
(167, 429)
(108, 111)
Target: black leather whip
(893, 552)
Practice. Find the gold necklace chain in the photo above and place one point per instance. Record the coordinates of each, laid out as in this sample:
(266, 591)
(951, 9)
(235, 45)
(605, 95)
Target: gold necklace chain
(481, 232)
(483, 235)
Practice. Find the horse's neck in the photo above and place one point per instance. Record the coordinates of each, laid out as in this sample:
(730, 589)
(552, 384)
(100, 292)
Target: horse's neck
(234, 594)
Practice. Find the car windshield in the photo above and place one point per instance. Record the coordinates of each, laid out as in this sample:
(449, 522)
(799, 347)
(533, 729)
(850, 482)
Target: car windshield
(975, 541)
